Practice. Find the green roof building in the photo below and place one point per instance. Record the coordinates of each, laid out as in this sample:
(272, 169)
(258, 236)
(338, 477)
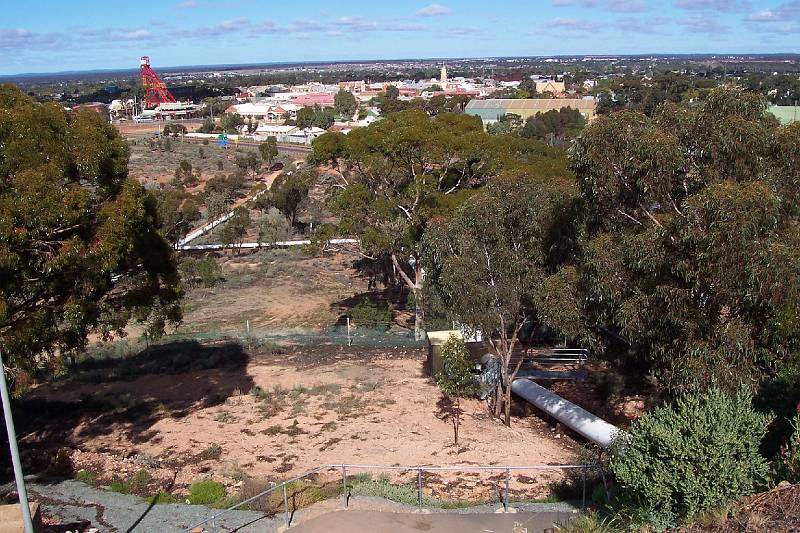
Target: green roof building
(786, 114)
(491, 110)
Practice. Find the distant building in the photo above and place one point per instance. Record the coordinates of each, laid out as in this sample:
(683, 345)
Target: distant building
(443, 76)
(265, 112)
(312, 99)
(491, 110)
(550, 86)
(786, 114)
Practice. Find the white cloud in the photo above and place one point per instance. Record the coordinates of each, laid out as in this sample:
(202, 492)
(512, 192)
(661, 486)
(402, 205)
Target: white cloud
(434, 10)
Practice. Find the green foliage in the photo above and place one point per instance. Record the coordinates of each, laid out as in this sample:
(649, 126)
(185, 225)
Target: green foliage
(206, 492)
(205, 271)
(328, 148)
(372, 313)
(183, 171)
(163, 498)
(345, 103)
(136, 484)
(555, 127)
(231, 122)
(207, 126)
(392, 92)
(786, 466)
(269, 149)
(177, 210)
(314, 117)
(690, 239)
(486, 264)
(87, 476)
(456, 380)
(382, 487)
(683, 459)
(290, 189)
(81, 249)
(236, 227)
(248, 161)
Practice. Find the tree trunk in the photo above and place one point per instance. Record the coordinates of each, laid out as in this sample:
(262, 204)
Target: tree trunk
(415, 286)
(419, 315)
(419, 305)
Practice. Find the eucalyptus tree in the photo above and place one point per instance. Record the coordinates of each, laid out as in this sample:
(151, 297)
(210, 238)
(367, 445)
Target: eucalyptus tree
(81, 250)
(409, 168)
(691, 253)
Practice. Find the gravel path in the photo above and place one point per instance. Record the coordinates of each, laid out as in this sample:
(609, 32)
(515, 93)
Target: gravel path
(81, 506)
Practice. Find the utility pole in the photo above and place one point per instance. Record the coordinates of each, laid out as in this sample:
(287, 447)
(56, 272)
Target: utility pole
(12, 444)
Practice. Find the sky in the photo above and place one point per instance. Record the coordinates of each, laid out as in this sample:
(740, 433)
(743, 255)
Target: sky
(53, 35)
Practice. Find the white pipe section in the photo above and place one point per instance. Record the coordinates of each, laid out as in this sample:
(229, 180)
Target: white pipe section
(576, 418)
(199, 232)
(250, 245)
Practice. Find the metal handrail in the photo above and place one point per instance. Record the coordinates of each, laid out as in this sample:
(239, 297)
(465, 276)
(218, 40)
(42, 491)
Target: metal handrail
(211, 520)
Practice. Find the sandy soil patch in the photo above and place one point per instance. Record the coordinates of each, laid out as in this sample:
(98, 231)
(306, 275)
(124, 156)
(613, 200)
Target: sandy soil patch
(280, 415)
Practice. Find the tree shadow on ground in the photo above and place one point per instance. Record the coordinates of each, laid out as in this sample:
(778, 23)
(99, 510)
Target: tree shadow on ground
(127, 397)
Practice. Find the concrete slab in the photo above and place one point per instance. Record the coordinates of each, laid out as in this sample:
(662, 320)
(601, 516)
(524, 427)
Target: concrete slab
(376, 522)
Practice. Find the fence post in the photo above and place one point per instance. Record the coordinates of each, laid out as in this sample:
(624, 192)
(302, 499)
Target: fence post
(584, 487)
(344, 485)
(505, 497)
(419, 488)
(286, 505)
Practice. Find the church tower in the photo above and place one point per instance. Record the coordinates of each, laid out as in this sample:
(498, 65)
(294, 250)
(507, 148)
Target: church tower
(443, 75)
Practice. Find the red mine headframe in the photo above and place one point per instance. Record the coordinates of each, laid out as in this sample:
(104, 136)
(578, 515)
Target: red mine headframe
(155, 91)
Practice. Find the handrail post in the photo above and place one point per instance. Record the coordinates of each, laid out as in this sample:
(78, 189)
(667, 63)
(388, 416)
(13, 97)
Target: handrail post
(285, 505)
(419, 488)
(213, 524)
(584, 487)
(505, 497)
(344, 485)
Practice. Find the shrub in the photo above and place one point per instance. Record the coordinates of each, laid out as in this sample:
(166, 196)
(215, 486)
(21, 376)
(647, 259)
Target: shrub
(209, 271)
(163, 497)
(683, 459)
(206, 492)
(372, 313)
(787, 463)
(87, 476)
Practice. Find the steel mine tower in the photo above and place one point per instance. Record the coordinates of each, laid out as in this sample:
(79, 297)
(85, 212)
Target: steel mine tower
(156, 91)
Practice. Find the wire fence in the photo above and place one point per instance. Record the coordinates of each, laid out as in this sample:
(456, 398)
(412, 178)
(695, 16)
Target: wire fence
(265, 340)
(346, 471)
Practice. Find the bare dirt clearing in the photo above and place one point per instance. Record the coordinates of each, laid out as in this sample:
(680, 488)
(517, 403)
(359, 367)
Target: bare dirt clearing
(275, 290)
(276, 415)
(261, 408)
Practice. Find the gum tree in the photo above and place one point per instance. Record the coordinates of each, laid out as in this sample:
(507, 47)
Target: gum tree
(488, 262)
(408, 168)
(80, 245)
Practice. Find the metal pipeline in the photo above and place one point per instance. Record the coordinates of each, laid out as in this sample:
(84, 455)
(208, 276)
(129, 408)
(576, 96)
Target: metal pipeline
(576, 418)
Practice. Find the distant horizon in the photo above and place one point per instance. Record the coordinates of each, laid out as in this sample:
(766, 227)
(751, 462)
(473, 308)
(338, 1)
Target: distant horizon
(91, 37)
(235, 65)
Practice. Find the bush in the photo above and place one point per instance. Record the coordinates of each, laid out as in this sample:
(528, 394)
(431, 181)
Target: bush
(372, 313)
(209, 271)
(87, 476)
(206, 492)
(683, 459)
(787, 463)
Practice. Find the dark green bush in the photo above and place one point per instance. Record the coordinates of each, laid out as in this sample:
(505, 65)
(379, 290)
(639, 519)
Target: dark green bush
(683, 459)
(786, 466)
(372, 313)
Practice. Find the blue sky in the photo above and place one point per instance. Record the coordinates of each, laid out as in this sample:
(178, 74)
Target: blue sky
(52, 35)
